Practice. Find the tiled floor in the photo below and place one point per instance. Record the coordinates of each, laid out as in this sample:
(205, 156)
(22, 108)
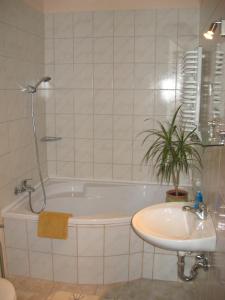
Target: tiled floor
(34, 289)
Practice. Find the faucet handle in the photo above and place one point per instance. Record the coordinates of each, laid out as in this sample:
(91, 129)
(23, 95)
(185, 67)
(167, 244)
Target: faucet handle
(24, 182)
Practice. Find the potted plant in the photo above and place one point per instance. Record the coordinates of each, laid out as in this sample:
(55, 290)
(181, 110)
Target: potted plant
(172, 152)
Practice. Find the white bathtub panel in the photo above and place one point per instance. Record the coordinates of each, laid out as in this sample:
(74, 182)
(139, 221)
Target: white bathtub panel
(90, 240)
(148, 259)
(36, 243)
(66, 247)
(17, 262)
(165, 267)
(15, 233)
(41, 265)
(116, 268)
(116, 240)
(65, 268)
(136, 243)
(135, 266)
(90, 270)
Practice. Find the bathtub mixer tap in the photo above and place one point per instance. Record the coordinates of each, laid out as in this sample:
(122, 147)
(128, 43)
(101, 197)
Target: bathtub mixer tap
(24, 187)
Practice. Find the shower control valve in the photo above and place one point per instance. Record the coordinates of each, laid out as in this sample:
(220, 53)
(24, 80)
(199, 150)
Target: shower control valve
(24, 187)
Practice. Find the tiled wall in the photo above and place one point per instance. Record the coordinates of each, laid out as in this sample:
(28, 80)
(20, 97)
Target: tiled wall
(214, 167)
(111, 71)
(91, 255)
(21, 62)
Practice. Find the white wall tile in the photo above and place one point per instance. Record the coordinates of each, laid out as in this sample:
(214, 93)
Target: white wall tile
(144, 76)
(83, 25)
(136, 243)
(122, 172)
(64, 101)
(63, 25)
(90, 270)
(166, 22)
(166, 49)
(90, 240)
(103, 76)
(84, 170)
(145, 49)
(65, 268)
(103, 50)
(103, 127)
(103, 102)
(15, 233)
(165, 267)
(124, 23)
(84, 150)
(188, 21)
(103, 23)
(116, 240)
(17, 262)
(63, 51)
(148, 259)
(115, 269)
(64, 125)
(122, 127)
(135, 266)
(145, 22)
(83, 76)
(103, 151)
(123, 49)
(144, 102)
(65, 150)
(123, 76)
(65, 169)
(83, 101)
(123, 102)
(102, 171)
(84, 126)
(83, 50)
(122, 152)
(41, 265)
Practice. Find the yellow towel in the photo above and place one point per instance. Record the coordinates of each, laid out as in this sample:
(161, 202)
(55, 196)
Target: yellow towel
(53, 225)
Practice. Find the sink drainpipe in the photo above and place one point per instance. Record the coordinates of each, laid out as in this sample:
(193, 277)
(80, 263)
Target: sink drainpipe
(201, 261)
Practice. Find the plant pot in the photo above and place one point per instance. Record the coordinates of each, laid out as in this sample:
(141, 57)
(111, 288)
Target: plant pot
(171, 196)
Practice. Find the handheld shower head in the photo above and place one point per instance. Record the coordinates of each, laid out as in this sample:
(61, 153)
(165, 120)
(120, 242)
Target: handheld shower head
(43, 79)
(33, 89)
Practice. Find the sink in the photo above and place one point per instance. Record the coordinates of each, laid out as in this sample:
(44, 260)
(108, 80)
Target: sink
(167, 226)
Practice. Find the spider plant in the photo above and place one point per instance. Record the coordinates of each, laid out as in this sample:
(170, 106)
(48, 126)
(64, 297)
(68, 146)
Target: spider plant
(172, 151)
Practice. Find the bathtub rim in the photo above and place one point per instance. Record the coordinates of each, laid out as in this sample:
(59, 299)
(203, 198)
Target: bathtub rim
(6, 213)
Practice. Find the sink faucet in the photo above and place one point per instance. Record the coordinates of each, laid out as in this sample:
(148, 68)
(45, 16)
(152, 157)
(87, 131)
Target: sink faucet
(201, 212)
(24, 187)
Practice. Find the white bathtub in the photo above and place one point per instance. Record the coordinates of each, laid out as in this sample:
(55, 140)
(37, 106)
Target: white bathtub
(92, 202)
(101, 248)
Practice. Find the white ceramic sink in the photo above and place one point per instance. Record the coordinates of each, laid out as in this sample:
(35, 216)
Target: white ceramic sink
(167, 226)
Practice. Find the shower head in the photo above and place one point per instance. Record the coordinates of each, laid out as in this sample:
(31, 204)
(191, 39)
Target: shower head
(33, 89)
(43, 79)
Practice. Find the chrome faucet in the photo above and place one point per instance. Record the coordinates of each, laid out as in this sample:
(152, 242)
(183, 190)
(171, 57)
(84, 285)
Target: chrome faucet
(201, 212)
(24, 187)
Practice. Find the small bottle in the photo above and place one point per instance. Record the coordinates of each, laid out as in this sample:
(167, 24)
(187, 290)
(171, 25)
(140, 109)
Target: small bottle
(198, 196)
(198, 199)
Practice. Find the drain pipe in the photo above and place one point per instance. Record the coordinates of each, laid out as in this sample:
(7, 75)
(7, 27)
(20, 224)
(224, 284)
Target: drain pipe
(201, 261)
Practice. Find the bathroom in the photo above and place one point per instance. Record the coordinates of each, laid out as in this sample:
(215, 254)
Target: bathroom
(113, 64)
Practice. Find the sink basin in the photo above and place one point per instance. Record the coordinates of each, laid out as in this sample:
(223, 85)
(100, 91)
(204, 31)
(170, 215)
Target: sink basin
(167, 226)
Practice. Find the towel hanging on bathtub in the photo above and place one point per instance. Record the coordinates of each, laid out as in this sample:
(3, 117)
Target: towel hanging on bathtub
(53, 225)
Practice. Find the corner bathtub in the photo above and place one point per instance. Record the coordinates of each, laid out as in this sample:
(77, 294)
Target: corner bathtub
(101, 248)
